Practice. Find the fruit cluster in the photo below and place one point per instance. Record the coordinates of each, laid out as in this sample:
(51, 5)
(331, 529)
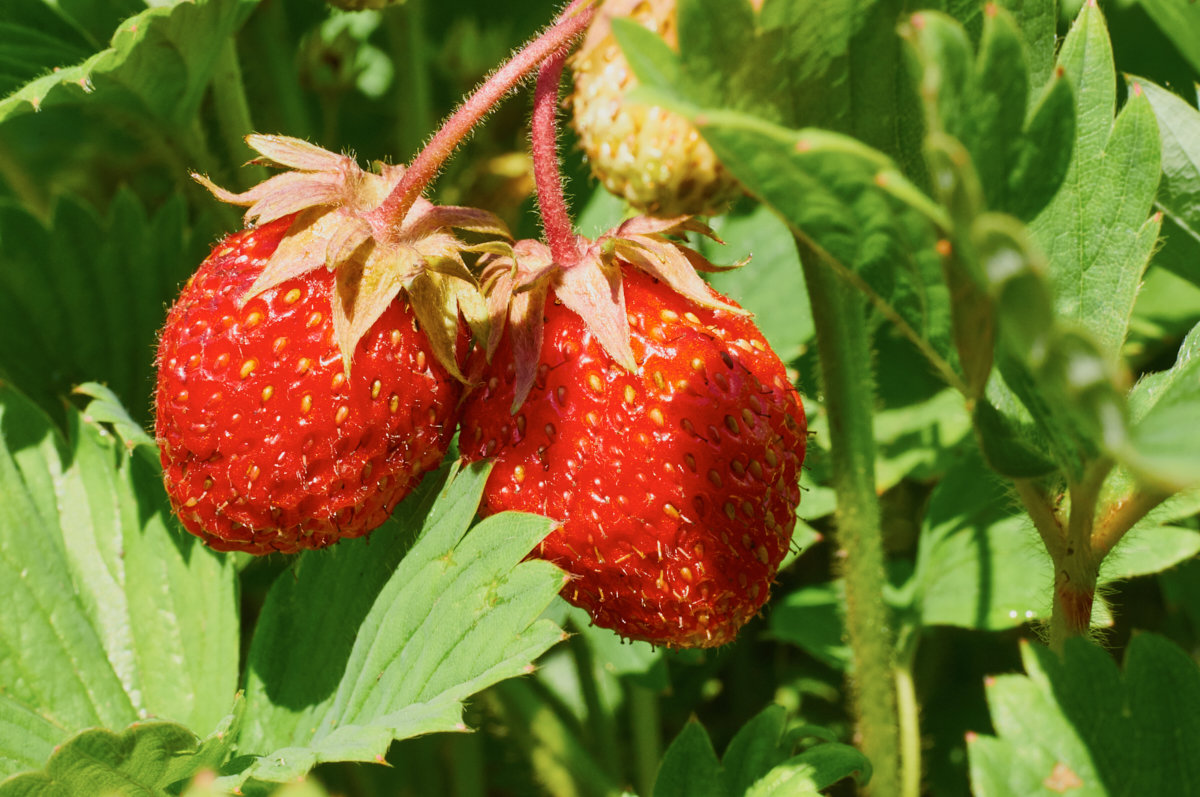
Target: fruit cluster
(317, 365)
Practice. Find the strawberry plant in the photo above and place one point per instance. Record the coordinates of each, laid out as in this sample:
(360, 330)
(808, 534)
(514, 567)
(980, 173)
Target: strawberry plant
(376, 418)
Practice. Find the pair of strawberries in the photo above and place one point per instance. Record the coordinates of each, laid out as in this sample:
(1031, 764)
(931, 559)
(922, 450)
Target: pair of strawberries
(312, 372)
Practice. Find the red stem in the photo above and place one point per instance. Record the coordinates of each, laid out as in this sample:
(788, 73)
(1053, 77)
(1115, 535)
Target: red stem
(556, 217)
(424, 168)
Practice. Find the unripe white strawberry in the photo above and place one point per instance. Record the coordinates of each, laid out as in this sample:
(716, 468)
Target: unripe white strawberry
(652, 157)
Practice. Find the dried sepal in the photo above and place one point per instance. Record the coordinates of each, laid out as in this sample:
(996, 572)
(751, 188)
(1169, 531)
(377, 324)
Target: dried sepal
(345, 239)
(334, 200)
(676, 226)
(282, 194)
(462, 218)
(303, 249)
(595, 293)
(364, 288)
(667, 263)
(703, 264)
(295, 153)
(526, 325)
(434, 300)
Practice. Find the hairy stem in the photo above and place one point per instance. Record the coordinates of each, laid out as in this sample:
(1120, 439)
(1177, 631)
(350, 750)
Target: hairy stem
(1076, 565)
(1041, 510)
(427, 164)
(849, 392)
(556, 218)
(1123, 516)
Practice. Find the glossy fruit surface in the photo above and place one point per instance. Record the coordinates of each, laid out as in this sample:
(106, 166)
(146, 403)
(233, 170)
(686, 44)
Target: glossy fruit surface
(677, 484)
(266, 443)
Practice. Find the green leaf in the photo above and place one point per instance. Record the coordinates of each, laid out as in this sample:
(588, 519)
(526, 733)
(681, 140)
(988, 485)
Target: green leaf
(918, 440)
(106, 408)
(1165, 408)
(26, 737)
(1143, 551)
(813, 771)
(826, 188)
(111, 611)
(690, 767)
(1037, 21)
(1080, 726)
(82, 298)
(1168, 304)
(144, 759)
(757, 748)
(159, 62)
(1010, 443)
(561, 758)
(34, 39)
(1097, 232)
(833, 64)
(811, 618)
(415, 633)
(651, 59)
(980, 100)
(978, 563)
(1179, 192)
(1180, 22)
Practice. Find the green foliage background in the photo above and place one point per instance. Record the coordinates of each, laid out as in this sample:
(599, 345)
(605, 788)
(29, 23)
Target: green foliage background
(1065, 173)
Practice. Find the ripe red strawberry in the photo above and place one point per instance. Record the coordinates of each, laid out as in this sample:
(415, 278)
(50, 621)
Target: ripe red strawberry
(266, 445)
(676, 482)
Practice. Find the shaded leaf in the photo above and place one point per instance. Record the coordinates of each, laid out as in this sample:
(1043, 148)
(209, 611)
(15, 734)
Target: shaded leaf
(159, 62)
(1079, 725)
(1097, 233)
(1165, 407)
(82, 298)
(1180, 22)
(690, 767)
(813, 771)
(145, 758)
(416, 633)
(979, 565)
(1179, 192)
(811, 618)
(758, 747)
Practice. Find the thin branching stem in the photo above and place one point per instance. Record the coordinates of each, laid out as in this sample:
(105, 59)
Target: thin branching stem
(556, 218)
(1040, 508)
(843, 342)
(1123, 516)
(429, 161)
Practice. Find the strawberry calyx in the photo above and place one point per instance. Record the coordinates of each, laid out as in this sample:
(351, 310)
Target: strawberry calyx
(333, 202)
(518, 279)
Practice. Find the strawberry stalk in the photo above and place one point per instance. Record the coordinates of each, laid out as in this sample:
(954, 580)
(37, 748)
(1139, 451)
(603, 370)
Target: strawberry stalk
(849, 392)
(556, 218)
(1076, 563)
(429, 162)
